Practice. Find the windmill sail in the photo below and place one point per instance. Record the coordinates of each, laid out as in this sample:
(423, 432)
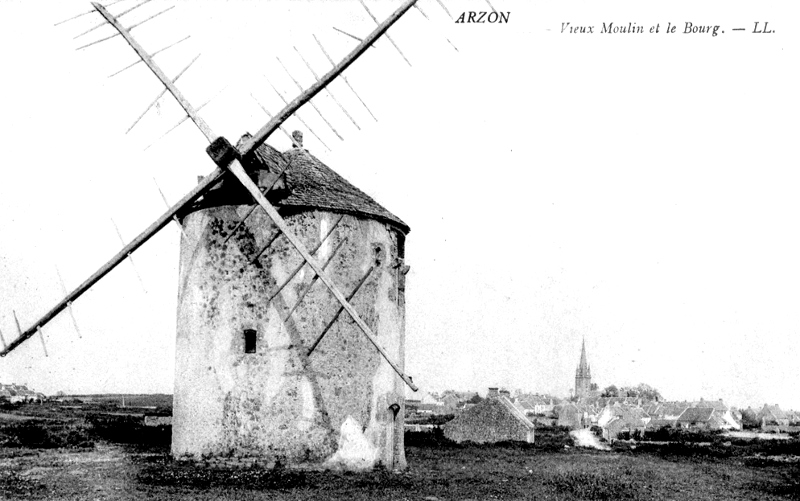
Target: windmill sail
(227, 157)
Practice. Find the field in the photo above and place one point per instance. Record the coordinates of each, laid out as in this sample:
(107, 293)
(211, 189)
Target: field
(67, 459)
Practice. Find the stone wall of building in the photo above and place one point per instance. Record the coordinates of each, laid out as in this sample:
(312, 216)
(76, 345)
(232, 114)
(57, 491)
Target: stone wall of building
(340, 406)
(490, 421)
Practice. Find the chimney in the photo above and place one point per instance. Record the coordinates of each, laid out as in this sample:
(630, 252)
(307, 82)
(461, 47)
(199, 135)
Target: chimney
(505, 393)
(493, 393)
(297, 139)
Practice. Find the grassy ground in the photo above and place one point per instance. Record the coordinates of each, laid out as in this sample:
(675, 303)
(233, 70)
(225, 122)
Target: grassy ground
(438, 470)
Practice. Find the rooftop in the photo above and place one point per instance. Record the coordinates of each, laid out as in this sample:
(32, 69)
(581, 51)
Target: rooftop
(307, 184)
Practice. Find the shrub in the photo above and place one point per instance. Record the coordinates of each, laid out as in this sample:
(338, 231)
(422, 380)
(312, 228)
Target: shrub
(38, 434)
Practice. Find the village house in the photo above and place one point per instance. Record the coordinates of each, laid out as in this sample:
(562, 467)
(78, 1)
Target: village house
(495, 419)
(732, 419)
(700, 418)
(17, 393)
(615, 419)
(772, 415)
(576, 416)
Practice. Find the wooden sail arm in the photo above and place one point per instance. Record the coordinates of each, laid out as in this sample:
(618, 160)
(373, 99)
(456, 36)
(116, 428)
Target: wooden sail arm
(227, 157)
(270, 127)
(148, 60)
(205, 185)
(236, 168)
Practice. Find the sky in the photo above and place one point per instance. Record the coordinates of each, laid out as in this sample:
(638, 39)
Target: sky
(636, 191)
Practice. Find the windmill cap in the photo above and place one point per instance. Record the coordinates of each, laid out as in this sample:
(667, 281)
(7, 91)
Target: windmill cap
(308, 184)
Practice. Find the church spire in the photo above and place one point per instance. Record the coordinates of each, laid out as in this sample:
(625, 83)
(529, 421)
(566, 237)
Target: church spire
(583, 366)
(583, 375)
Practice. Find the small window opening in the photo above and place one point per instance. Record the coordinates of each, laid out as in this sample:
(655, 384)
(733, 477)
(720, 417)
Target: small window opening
(249, 341)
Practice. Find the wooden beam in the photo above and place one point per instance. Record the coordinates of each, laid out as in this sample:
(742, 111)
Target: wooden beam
(297, 115)
(236, 168)
(311, 69)
(253, 208)
(69, 305)
(205, 185)
(445, 8)
(314, 279)
(319, 112)
(344, 77)
(339, 312)
(312, 91)
(154, 54)
(118, 16)
(301, 265)
(161, 94)
(41, 337)
(174, 218)
(130, 258)
(198, 121)
(86, 13)
(248, 145)
(387, 35)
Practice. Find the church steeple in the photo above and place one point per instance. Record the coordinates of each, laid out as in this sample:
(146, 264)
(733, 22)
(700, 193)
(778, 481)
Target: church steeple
(583, 366)
(583, 375)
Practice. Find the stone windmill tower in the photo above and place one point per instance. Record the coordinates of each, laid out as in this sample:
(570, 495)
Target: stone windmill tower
(267, 367)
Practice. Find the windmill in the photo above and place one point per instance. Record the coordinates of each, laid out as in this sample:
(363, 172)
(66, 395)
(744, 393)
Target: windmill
(314, 411)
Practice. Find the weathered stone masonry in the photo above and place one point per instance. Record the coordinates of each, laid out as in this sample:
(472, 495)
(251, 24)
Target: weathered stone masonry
(245, 386)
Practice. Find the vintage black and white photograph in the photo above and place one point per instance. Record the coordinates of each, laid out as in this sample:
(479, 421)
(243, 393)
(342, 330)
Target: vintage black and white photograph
(399, 249)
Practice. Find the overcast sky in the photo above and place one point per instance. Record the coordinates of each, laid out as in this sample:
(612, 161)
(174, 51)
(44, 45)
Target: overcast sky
(638, 191)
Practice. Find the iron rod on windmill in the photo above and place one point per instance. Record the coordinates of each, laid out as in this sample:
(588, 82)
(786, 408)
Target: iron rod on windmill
(419, 9)
(186, 117)
(359, 40)
(202, 188)
(391, 40)
(270, 115)
(118, 16)
(161, 94)
(339, 311)
(311, 69)
(286, 102)
(445, 8)
(344, 78)
(41, 337)
(314, 279)
(69, 305)
(86, 13)
(300, 267)
(130, 258)
(300, 87)
(38, 331)
(159, 51)
(129, 28)
(174, 218)
(260, 136)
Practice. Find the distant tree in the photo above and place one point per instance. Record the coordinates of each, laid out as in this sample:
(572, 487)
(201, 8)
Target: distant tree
(476, 399)
(647, 392)
(750, 419)
(610, 391)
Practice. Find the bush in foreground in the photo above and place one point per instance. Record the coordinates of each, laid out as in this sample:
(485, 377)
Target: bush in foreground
(37, 434)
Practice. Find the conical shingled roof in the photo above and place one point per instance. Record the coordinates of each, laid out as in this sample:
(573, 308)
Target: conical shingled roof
(313, 184)
(308, 183)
